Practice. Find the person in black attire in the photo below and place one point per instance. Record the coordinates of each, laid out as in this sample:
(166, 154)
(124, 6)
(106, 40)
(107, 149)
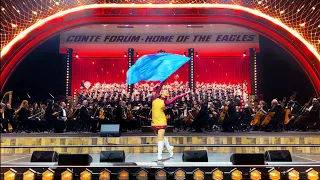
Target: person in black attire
(8, 117)
(314, 115)
(85, 116)
(59, 124)
(118, 113)
(201, 117)
(23, 115)
(230, 119)
(274, 123)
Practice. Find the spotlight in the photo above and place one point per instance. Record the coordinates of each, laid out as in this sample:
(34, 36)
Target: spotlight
(244, 54)
(137, 54)
(197, 55)
(86, 175)
(147, 25)
(77, 56)
(125, 54)
(169, 25)
(185, 54)
(189, 25)
(10, 175)
(180, 175)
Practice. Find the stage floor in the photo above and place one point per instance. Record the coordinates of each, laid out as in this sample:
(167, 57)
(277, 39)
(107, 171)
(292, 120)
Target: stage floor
(213, 142)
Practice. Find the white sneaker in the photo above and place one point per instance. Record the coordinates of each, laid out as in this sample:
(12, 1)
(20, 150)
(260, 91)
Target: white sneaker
(170, 150)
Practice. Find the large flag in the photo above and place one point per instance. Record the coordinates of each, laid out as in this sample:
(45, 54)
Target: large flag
(155, 67)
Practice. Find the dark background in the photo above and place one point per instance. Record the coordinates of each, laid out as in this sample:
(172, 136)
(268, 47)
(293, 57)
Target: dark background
(43, 72)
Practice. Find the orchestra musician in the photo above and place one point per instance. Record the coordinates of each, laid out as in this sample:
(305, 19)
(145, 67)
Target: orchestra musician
(184, 114)
(2, 108)
(86, 117)
(7, 117)
(121, 115)
(231, 117)
(278, 116)
(23, 114)
(61, 118)
(201, 117)
(310, 118)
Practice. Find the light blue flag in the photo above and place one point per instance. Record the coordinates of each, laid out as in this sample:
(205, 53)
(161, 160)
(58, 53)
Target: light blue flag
(155, 67)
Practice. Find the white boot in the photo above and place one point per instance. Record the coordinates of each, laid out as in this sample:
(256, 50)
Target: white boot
(160, 149)
(169, 148)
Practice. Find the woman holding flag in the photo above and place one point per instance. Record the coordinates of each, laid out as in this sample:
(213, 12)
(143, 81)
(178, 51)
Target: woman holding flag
(158, 67)
(159, 120)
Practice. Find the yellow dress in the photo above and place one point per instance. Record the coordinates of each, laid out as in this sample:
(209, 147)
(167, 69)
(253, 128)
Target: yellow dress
(159, 120)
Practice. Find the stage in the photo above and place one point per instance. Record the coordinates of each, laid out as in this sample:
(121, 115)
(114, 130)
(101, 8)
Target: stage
(213, 142)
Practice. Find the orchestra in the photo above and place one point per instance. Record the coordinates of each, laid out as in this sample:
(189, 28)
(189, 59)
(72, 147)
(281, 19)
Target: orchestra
(221, 108)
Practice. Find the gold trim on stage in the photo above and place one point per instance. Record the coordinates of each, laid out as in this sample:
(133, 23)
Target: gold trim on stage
(62, 141)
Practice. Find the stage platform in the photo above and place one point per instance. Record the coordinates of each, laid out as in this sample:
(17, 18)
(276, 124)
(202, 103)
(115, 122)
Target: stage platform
(213, 142)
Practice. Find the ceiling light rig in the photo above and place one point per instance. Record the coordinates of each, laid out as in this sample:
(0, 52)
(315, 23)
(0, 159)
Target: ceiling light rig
(19, 15)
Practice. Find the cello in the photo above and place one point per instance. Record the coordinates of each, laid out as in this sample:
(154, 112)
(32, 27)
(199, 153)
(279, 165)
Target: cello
(287, 110)
(223, 113)
(192, 114)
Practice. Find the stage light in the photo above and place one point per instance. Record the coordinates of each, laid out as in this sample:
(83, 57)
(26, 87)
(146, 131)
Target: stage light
(180, 175)
(236, 174)
(312, 174)
(29, 175)
(104, 25)
(244, 54)
(142, 175)
(217, 175)
(10, 175)
(293, 174)
(147, 25)
(125, 54)
(274, 175)
(161, 175)
(169, 25)
(185, 53)
(86, 175)
(77, 56)
(66, 175)
(104, 175)
(123, 175)
(198, 175)
(255, 175)
(197, 55)
(137, 54)
(189, 25)
(127, 25)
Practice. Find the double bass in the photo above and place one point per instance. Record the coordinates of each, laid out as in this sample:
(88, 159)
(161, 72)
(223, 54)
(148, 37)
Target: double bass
(257, 117)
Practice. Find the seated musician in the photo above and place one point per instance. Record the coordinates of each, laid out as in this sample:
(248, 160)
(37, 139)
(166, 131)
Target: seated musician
(8, 117)
(201, 117)
(61, 117)
(314, 114)
(184, 114)
(275, 121)
(2, 108)
(229, 121)
(23, 114)
(85, 116)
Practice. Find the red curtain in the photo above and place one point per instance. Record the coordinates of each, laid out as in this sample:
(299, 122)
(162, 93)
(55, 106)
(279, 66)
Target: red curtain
(206, 69)
(222, 69)
(180, 75)
(108, 70)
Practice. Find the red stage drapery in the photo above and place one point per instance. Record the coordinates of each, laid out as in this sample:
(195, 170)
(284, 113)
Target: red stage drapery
(206, 69)
(222, 69)
(94, 70)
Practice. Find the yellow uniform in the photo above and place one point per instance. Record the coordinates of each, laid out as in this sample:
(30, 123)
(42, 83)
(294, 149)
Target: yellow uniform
(159, 120)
